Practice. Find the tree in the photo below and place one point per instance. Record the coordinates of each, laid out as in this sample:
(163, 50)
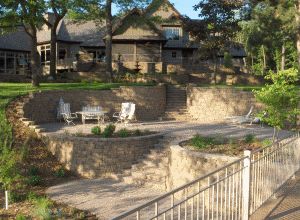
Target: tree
(100, 11)
(59, 8)
(216, 28)
(269, 36)
(29, 14)
(281, 99)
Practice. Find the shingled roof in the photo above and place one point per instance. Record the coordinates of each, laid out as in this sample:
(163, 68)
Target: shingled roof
(86, 33)
(17, 40)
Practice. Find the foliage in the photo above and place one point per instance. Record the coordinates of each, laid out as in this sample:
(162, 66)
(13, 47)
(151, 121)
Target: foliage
(266, 142)
(123, 133)
(34, 180)
(33, 171)
(281, 98)
(60, 172)
(42, 208)
(202, 142)
(228, 60)
(215, 28)
(96, 130)
(137, 132)
(249, 138)
(20, 217)
(108, 131)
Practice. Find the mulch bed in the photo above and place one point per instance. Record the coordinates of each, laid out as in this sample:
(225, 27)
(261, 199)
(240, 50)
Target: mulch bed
(229, 149)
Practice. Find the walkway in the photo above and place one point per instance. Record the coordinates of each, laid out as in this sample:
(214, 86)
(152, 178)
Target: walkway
(107, 198)
(286, 204)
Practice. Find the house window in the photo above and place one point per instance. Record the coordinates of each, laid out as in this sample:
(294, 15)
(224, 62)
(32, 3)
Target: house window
(174, 54)
(172, 33)
(45, 55)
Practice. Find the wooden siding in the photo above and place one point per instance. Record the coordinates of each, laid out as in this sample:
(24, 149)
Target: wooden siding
(148, 48)
(136, 33)
(118, 48)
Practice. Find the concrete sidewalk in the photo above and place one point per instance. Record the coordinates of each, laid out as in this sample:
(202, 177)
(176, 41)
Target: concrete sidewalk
(285, 205)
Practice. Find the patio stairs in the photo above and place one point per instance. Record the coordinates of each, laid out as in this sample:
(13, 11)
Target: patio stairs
(176, 108)
(152, 171)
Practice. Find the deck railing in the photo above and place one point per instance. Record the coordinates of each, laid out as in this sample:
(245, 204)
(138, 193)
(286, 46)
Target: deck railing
(231, 192)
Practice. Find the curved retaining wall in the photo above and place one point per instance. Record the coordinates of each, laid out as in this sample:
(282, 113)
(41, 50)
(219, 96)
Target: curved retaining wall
(95, 157)
(186, 165)
(150, 102)
(214, 105)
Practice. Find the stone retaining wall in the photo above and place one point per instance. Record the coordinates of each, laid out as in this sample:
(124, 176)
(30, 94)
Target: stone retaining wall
(95, 157)
(150, 102)
(186, 165)
(214, 105)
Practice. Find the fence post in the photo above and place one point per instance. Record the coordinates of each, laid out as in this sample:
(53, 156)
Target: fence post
(6, 199)
(246, 185)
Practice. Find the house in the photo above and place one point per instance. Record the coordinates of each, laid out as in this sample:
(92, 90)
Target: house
(139, 44)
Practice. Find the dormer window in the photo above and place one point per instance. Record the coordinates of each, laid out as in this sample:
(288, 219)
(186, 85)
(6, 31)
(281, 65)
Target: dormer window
(172, 33)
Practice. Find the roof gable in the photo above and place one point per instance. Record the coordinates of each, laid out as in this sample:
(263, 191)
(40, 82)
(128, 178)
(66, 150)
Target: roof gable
(163, 9)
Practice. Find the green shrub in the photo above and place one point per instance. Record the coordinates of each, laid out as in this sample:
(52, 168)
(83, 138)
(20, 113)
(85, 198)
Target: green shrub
(266, 142)
(249, 138)
(14, 197)
(31, 196)
(33, 171)
(20, 217)
(123, 133)
(202, 142)
(109, 131)
(137, 132)
(60, 172)
(42, 208)
(34, 180)
(96, 130)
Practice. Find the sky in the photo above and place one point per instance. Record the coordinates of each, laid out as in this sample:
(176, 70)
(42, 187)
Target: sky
(185, 7)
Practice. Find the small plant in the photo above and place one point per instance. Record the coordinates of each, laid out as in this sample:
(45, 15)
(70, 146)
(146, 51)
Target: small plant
(266, 142)
(33, 171)
(16, 197)
(20, 217)
(202, 142)
(42, 208)
(34, 180)
(137, 132)
(60, 172)
(249, 138)
(123, 133)
(109, 131)
(31, 196)
(96, 130)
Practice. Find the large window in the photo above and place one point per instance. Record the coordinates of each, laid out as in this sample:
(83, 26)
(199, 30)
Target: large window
(45, 55)
(172, 33)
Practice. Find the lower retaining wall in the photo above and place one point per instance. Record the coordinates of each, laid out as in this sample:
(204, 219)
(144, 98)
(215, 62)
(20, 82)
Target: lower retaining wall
(214, 105)
(150, 102)
(96, 157)
(186, 165)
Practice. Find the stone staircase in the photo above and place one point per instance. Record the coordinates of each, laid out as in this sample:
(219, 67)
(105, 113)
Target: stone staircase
(152, 171)
(176, 108)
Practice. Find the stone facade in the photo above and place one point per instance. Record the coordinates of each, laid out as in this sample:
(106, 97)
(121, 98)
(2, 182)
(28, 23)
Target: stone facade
(95, 157)
(214, 105)
(186, 165)
(150, 102)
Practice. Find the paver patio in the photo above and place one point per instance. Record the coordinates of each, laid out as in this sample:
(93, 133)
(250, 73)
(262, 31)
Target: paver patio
(107, 198)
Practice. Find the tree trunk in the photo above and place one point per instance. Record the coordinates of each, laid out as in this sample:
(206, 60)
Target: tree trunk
(214, 73)
(53, 54)
(34, 60)
(298, 29)
(283, 57)
(108, 40)
(264, 58)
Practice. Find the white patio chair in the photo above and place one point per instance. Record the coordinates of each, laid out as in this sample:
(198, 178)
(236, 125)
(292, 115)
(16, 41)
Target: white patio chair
(242, 119)
(67, 115)
(126, 114)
